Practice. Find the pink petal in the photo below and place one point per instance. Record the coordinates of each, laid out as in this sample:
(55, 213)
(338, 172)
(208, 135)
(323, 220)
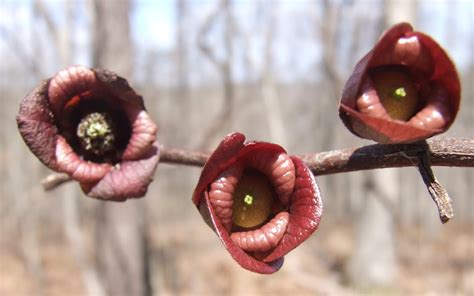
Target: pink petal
(67, 84)
(143, 134)
(81, 170)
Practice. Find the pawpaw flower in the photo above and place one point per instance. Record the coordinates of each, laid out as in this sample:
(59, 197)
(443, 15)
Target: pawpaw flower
(404, 90)
(92, 125)
(261, 202)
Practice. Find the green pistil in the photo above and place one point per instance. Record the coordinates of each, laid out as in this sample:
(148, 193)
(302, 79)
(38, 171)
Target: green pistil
(96, 134)
(399, 93)
(248, 199)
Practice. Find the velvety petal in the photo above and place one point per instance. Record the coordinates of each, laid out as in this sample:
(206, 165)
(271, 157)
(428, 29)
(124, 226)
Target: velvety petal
(36, 125)
(119, 88)
(305, 211)
(419, 52)
(129, 179)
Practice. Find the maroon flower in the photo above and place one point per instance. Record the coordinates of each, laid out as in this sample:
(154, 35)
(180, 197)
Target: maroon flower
(261, 202)
(404, 90)
(91, 125)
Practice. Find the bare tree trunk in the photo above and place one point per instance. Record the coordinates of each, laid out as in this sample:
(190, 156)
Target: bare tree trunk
(268, 85)
(90, 277)
(182, 70)
(121, 238)
(224, 66)
(374, 261)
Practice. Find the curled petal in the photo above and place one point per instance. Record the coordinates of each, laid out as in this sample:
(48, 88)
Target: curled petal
(369, 102)
(277, 167)
(435, 114)
(406, 51)
(221, 194)
(143, 134)
(431, 117)
(225, 154)
(243, 259)
(262, 239)
(70, 163)
(67, 84)
(304, 214)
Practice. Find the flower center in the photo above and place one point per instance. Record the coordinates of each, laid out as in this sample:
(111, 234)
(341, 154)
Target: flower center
(396, 90)
(253, 200)
(96, 133)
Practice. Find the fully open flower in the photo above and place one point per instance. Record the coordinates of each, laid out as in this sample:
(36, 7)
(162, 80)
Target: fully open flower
(91, 125)
(405, 89)
(261, 202)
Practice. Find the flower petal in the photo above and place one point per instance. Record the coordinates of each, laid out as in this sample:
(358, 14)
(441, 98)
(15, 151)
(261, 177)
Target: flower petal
(239, 255)
(36, 125)
(223, 156)
(272, 160)
(305, 212)
(68, 83)
(143, 134)
(265, 238)
(129, 180)
(221, 194)
(81, 170)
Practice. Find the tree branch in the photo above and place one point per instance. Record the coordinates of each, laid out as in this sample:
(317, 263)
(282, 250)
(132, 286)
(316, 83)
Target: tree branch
(454, 152)
(439, 195)
(458, 152)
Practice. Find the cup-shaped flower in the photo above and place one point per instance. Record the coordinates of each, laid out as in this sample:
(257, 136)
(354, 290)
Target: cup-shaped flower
(404, 90)
(92, 125)
(261, 202)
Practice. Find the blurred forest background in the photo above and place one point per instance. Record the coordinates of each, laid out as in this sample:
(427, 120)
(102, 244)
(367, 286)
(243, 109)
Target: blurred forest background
(273, 70)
